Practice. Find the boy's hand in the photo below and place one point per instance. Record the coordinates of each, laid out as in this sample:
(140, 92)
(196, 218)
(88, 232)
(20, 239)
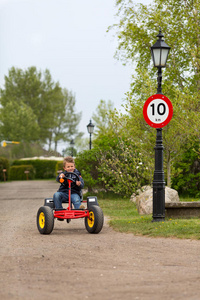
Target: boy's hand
(61, 175)
(78, 183)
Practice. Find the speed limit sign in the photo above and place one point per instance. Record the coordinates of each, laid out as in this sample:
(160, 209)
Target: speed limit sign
(157, 111)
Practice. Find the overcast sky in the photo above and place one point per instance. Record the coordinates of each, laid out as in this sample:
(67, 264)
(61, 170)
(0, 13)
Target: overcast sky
(69, 38)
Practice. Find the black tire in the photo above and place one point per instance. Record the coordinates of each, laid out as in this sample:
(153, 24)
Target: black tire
(45, 220)
(94, 224)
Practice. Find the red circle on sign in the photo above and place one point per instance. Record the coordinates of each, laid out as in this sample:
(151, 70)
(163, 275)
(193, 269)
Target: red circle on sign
(147, 117)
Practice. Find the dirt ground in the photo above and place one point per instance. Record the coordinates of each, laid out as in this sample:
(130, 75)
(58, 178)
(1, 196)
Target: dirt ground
(70, 263)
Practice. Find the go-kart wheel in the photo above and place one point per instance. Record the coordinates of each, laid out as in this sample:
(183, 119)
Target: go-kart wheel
(45, 220)
(94, 222)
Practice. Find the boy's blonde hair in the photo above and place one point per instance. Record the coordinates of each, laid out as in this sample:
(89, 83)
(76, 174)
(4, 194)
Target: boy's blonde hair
(68, 159)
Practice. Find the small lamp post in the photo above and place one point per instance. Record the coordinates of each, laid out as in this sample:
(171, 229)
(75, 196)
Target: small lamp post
(90, 128)
(72, 147)
(4, 174)
(159, 52)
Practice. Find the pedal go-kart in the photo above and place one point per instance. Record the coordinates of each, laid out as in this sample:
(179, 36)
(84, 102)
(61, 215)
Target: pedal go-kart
(93, 214)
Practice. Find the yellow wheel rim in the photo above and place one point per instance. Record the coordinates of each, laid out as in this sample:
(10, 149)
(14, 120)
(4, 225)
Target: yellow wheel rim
(41, 220)
(91, 219)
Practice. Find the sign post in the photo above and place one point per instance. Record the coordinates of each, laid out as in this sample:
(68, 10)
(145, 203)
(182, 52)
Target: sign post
(158, 111)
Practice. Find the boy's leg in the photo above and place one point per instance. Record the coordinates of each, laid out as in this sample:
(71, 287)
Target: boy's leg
(59, 198)
(76, 200)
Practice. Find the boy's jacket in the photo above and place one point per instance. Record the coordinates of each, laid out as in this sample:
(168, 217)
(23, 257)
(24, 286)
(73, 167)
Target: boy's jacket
(75, 189)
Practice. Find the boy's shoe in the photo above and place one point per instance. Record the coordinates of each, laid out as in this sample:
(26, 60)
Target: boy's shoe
(82, 206)
(60, 219)
(68, 220)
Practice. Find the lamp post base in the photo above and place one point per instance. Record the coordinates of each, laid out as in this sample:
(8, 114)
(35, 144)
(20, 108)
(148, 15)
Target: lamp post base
(157, 219)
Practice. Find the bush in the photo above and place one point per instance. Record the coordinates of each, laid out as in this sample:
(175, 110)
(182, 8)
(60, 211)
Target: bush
(87, 164)
(18, 172)
(186, 178)
(4, 165)
(44, 169)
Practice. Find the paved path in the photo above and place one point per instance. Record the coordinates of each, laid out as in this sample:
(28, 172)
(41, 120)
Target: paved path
(73, 264)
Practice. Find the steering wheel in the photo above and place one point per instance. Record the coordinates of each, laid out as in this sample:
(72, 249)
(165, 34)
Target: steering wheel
(69, 176)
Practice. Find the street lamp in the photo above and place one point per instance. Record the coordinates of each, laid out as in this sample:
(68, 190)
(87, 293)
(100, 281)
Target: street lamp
(159, 52)
(90, 128)
(72, 146)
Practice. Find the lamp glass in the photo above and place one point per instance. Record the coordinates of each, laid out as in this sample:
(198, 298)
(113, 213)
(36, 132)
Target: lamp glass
(159, 56)
(163, 58)
(156, 56)
(90, 127)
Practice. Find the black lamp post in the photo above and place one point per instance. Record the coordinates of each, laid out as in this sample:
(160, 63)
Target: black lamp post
(90, 128)
(159, 52)
(72, 146)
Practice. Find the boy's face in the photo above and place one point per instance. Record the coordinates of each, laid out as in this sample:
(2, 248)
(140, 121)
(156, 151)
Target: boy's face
(69, 167)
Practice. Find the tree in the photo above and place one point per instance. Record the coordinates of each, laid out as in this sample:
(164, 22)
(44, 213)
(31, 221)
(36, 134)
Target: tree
(101, 117)
(125, 150)
(137, 29)
(28, 89)
(179, 20)
(43, 110)
(19, 123)
(64, 119)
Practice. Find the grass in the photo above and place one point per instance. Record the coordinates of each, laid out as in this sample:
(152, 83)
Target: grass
(189, 199)
(125, 218)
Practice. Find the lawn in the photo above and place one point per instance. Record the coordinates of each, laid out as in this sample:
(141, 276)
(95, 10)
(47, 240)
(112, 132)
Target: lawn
(125, 218)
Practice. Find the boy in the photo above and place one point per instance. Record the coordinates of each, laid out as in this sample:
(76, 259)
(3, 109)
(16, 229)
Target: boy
(62, 194)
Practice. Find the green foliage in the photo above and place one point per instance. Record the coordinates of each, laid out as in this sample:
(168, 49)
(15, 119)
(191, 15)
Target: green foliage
(64, 119)
(19, 122)
(59, 166)
(101, 117)
(179, 21)
(122, 165)
(4, 165)
(137, 29)
(125, 151)
(186, 179)
(33, 108)
(23, 150)
(87, 164)
(18, 172)
(44, 169)
(123, 170)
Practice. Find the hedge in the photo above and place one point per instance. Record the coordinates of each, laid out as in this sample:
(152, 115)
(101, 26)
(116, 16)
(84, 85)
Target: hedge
(18, 172)
(59, 166)
(44, 169)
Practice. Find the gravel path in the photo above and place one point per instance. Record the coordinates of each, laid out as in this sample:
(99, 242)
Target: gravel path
(70, 263)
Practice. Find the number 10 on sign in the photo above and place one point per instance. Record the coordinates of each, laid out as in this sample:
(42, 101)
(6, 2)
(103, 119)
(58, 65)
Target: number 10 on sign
(158, 111)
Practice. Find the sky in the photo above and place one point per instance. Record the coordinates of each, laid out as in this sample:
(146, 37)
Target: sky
(69, 38)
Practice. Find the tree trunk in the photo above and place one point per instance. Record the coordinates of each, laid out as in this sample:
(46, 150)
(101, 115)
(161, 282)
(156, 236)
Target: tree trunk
(49, 145)
(56, 144)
